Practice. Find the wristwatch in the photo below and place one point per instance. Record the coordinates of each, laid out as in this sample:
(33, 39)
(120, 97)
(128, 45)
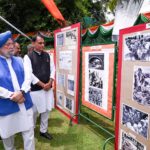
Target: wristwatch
(23, 92)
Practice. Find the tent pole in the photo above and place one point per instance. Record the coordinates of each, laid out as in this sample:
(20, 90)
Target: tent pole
(14, 27)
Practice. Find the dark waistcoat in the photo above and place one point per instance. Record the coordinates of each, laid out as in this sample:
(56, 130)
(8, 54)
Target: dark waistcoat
(41, 67)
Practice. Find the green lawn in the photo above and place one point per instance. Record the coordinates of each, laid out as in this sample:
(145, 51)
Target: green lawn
(83, 136)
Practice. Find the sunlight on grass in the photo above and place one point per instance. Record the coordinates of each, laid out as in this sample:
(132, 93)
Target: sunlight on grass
(83, 136)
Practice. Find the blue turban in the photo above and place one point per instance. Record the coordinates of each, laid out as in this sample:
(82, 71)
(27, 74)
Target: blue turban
(4, 37)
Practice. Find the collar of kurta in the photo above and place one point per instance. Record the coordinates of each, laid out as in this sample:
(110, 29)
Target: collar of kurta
(3, 57)
(39, 53)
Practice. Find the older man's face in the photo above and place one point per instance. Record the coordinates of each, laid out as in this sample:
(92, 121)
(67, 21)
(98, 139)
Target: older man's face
(39, 44)
(7, 49)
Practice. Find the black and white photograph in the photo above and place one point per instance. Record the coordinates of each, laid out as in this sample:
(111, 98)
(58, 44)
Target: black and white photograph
(95, 79)
(130, 143)
(60, 79)
(70, 85)
(137, 47)
(60, 39)
(135, 120)
(60, 98)
(71, 37)
(95, 96)
(69, 104)
(141, 85)
(96, 61)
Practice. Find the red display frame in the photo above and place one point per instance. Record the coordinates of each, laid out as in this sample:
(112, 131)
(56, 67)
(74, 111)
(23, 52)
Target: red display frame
(75, 119)
(100, 49)
(138, 28)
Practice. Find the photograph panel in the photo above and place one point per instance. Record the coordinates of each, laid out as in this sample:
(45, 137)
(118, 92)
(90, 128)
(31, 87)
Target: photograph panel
(96, 79)
(69, 104)
(135, 120)
(95, 96)
(71, 37)
(141, 85)
(128, 142)
(61, 79)
(96, 61)
(60, 99)
(137, 47)
(60, 39)
(70, 85)
(65, 60)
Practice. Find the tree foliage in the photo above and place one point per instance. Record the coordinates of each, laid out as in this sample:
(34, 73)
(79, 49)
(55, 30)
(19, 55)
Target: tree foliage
(31, 15)
(26, 15)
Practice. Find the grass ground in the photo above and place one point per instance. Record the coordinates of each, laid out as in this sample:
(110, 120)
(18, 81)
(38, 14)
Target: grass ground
(83, 136)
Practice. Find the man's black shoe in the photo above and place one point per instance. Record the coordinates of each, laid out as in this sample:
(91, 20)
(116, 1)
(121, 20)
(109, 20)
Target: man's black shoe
(46, 135)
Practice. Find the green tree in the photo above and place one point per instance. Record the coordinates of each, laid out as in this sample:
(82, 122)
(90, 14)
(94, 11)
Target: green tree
(26, 15)
(32, 15)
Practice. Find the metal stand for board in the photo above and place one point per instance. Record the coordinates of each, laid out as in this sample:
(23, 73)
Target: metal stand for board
(111, 135)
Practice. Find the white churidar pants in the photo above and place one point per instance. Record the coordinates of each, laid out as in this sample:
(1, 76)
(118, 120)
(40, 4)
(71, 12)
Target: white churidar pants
(28, 138)
(43, 103)
(43, 119)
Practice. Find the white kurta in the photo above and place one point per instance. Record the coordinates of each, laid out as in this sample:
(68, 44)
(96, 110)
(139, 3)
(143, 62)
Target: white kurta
(43, 100)
(19, 121)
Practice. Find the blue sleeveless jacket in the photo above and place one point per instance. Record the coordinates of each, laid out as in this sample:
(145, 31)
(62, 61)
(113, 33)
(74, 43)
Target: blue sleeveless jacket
(6, 105)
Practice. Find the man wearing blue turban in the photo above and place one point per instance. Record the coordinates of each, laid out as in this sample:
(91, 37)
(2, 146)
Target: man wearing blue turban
(16, 114)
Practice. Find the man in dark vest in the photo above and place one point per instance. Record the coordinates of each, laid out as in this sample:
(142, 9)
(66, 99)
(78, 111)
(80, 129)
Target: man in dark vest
(16, 114)
(39, 64)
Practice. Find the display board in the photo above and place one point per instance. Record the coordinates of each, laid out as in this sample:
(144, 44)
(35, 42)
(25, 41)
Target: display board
(133, 89)
(67, 46)
(97, 78)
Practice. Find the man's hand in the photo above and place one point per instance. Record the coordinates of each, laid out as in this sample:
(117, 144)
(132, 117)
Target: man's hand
(40, 83)
(48, 85)
(17, 97)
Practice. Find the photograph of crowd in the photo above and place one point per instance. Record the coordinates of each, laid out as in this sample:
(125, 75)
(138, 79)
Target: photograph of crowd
(137, 47)
(71, 37)
(69, 104)
(141, 85)
(59, 99)
(95, 96)
(95, 79)
(96, 61)
(60, 39)
(135, 120)
(130, 143)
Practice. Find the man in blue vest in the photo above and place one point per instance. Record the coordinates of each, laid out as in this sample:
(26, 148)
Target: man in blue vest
(16, 114)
